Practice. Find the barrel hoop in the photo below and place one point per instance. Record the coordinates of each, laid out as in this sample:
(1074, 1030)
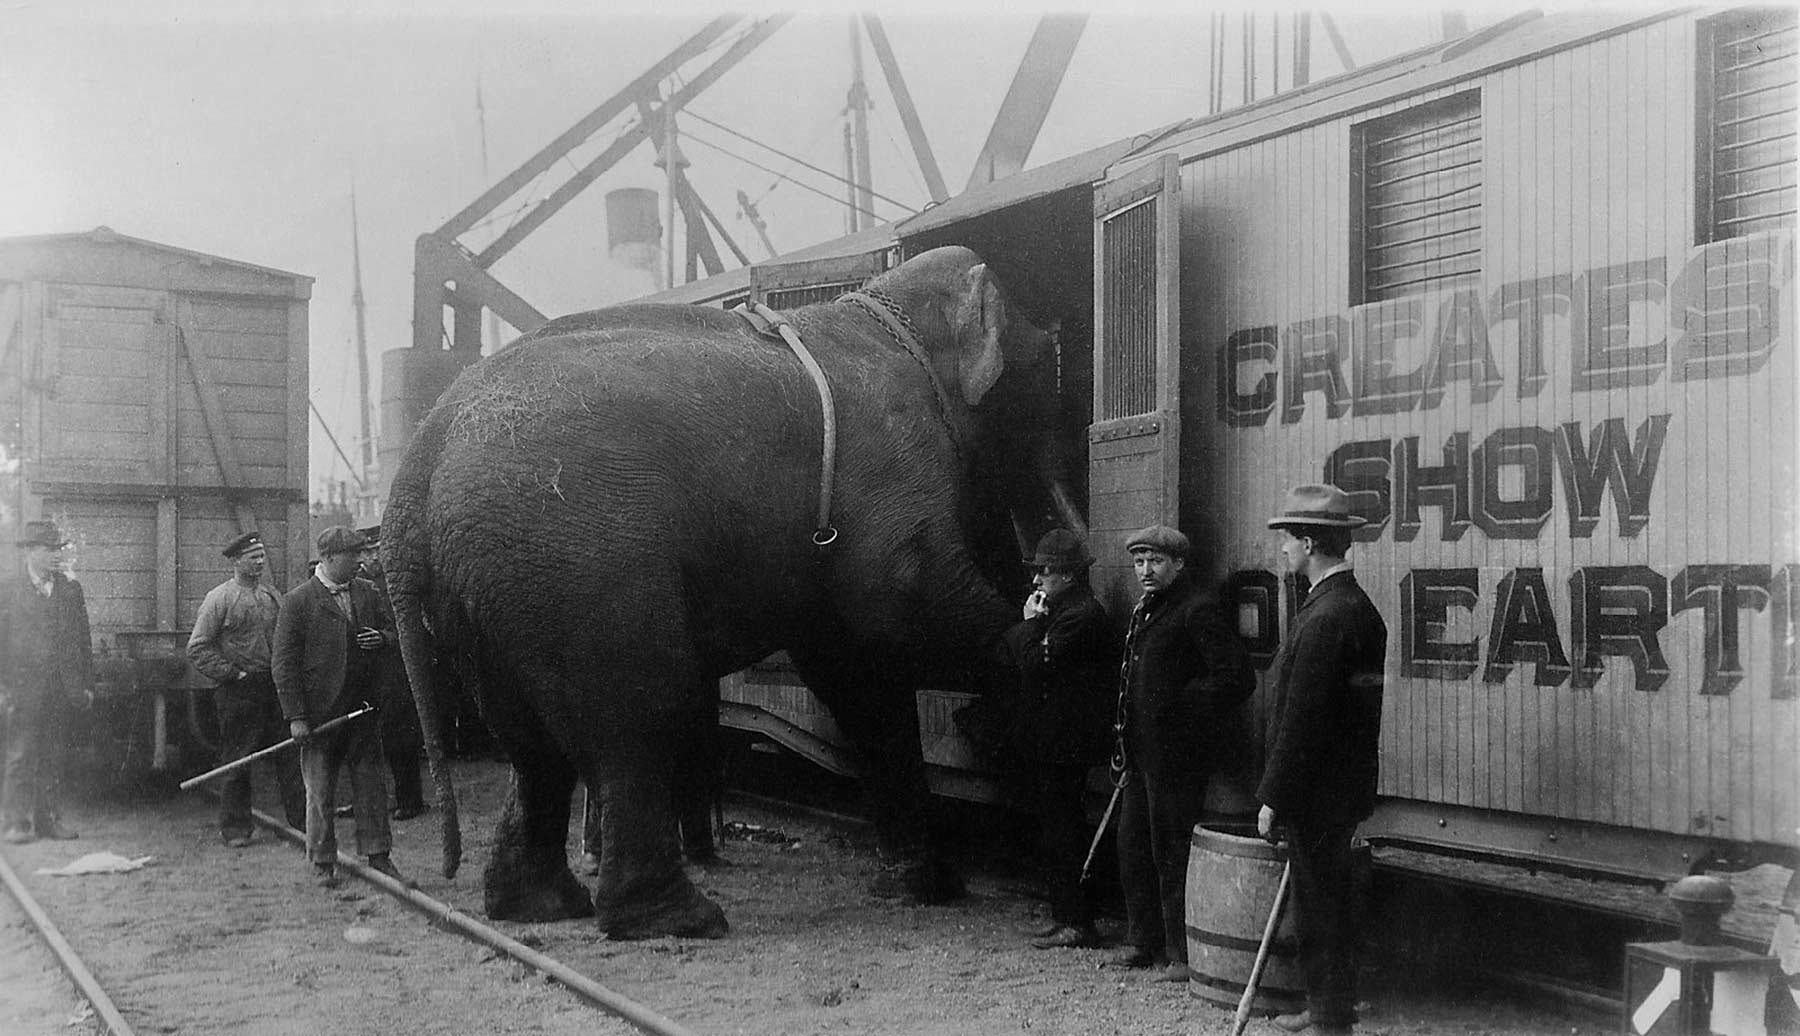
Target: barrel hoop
(1280, 947)
(1263, 988)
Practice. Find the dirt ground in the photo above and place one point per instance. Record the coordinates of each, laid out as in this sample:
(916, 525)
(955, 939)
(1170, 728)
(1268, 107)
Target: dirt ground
(213, 940)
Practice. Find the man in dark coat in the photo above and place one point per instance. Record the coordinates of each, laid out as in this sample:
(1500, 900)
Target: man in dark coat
(1185, 673)
(401, 738)
(46, 664)
(327, 663)
(1067, 656)
(232, 642)
(1323, 740)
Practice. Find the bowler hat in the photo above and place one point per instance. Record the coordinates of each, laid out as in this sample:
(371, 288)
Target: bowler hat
(1061, 549)
(1159, 538)
(1320, 505)
(43, 534)
(340, 539)
(242, 545)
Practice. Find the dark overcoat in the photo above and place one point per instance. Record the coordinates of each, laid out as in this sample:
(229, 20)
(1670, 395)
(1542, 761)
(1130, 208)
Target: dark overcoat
(44, 641)
(1186, 672)
(316, 675)
(1324, 718)
(1068, 663)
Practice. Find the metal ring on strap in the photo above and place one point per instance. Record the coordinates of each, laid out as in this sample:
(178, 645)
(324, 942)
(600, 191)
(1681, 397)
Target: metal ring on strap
(823, 534)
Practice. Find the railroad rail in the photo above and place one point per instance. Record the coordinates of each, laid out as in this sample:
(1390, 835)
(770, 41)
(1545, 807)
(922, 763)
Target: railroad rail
(85, 983)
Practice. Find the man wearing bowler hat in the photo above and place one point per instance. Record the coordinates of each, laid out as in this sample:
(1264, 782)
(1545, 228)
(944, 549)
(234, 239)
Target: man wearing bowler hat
(232, 645)
(327, 663)
(1066, 653)
(1323, 742)
(1185, 672)
(46, 664)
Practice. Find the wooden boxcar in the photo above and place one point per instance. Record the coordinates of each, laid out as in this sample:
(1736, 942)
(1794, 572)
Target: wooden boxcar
(154, 404)
(1529, 298)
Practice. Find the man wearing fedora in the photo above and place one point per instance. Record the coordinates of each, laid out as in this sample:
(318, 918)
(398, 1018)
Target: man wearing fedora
(1185, 673)
(327, 663)
(231, 645)
(1323, 742)
(1066, 654)
(46, 663)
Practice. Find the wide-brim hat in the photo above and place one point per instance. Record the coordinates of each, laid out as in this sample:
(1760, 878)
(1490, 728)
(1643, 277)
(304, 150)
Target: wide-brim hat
(1322, 506)
(340, 539)
(1160, 538)
(1060, 548)
(43, 534)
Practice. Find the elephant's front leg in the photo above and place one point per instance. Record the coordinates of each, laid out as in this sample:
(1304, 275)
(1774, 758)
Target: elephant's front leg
(881, 717)
(528, 878)
(643, 893)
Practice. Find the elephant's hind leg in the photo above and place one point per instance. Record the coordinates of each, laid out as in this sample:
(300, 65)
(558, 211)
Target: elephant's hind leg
(528, 878)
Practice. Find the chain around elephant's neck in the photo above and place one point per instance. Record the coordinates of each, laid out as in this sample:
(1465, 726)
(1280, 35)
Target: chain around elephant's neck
(893, 319)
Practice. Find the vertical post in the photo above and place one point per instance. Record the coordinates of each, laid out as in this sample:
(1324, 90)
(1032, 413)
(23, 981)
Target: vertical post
(859, 122)
(1302, 48)
(669, 176)
(850, 214)
(367, 453)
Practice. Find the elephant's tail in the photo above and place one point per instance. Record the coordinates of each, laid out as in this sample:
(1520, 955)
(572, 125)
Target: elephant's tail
(406, 558)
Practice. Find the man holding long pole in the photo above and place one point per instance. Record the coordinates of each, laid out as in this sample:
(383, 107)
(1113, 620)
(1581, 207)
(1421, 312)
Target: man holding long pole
(1324, 732)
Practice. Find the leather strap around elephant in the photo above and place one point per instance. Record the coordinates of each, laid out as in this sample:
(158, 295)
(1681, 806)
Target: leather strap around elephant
(767, 321)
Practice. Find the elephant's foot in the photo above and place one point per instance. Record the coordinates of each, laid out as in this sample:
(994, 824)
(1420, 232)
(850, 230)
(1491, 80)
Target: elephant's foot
(684, 913)
(538, 890)
(928, 882)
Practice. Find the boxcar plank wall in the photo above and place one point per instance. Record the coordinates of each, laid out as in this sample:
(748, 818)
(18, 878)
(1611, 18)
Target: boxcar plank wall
(161, 402)
(1580, 469)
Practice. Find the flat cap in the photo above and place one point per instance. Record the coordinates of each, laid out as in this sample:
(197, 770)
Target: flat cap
(1061, 549)
(242, 544)
(340, 539)
(1161, 539)
(371, 534)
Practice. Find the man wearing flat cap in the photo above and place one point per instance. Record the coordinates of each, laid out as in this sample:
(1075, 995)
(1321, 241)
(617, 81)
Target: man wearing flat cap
(232, 645)
(1185, 673)
(46, 664)
(1323, 742)
(327, 663)
(1066, 654)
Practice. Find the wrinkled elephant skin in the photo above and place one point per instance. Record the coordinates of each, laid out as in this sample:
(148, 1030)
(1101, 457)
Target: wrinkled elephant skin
(598, 522)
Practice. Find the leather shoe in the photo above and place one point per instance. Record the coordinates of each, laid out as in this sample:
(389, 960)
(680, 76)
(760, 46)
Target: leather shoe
(238, 841)
(1039, 929)
(1302, 1021)
(18, 836)
(344, 811)
(1068, 936)
(382, 863)
(1174, 971)
(52, 829)
(1131, 957)
(327, 875)
(409, 812)
(590, 864)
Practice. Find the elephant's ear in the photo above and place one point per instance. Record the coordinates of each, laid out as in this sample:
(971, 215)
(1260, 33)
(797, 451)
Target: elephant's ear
(979, 361)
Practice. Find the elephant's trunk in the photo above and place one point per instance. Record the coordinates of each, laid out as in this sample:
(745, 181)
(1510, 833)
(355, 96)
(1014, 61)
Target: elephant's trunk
(406, 557)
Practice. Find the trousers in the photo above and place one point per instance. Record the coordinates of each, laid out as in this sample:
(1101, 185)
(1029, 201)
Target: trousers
(37, 736)
(1157, 814)
(1325, 918)
(353, 750)
(250, 719)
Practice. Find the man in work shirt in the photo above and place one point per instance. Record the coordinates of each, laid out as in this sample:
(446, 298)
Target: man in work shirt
(231, 646)
(327, 664)
(1324, 732)
(1185, 672)
(46, 663)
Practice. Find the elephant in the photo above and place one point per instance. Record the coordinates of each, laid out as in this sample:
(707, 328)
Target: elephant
(596, 523)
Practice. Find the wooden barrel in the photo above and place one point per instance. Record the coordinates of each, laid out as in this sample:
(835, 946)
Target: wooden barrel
(1231, 883)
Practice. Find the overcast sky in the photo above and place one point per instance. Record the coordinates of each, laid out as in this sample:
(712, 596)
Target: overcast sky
(240, 129)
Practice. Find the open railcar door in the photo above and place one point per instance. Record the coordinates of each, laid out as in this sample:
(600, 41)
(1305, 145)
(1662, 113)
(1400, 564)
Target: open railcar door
(1134, 443)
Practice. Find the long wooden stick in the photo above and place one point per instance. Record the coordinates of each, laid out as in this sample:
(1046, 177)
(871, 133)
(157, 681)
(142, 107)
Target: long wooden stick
(1262, 954)
(238, 764)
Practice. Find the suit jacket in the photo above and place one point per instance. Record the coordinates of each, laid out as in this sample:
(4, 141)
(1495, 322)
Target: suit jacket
(44, 641)
(1068, 663)
(1324, 719)
(1185, 672)
(319, 672)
